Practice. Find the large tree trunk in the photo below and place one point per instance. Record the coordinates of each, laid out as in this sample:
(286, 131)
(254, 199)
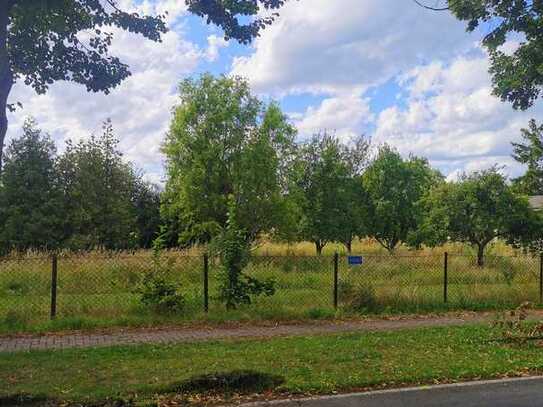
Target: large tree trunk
(349, 246)
(6, 74)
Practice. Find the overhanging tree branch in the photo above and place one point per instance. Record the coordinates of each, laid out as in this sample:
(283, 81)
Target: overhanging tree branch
(430, 7)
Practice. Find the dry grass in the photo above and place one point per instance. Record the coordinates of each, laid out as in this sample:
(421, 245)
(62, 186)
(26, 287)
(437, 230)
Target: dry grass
(98, 289)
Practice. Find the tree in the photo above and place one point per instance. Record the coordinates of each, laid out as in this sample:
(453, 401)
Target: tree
(331, 199)
(146, 203)
(530, 153)
(40, 41)
(225, 156)
(394, 187)
(355, 198)
(477, 209)
(516, 77)
(98, 189)
(31, 215)
(227, 15)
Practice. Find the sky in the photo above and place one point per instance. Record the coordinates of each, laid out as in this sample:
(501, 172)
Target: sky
(400, 74)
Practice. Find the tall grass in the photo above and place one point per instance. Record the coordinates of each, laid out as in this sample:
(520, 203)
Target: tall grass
(98, 289)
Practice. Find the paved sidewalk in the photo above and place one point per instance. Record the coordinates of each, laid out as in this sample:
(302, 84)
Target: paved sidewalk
(176, 335)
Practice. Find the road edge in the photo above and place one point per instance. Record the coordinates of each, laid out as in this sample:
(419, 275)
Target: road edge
(472, 383)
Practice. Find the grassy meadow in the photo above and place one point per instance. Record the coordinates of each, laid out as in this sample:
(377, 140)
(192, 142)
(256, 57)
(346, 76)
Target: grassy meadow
(97, 289)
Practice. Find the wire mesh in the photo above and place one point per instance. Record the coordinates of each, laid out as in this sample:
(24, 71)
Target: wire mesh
(108, 286)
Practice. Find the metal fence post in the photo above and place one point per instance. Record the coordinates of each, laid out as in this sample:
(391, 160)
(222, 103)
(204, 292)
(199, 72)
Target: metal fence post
(206, 283)
(336, 272)
(445, 276)
(541, 278)
(54, 272)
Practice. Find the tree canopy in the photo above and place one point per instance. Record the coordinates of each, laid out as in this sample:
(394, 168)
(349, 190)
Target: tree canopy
(331, 197)
(530, 153)
(517, 77)
(394, 186)
(225, 144)
(88, 197)
(477, 209)
(31, 213)
(226, 156)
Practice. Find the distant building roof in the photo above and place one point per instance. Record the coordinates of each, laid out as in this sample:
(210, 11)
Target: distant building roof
(536, 201)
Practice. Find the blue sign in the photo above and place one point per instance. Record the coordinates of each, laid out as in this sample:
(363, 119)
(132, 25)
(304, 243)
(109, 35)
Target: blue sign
(355, 260)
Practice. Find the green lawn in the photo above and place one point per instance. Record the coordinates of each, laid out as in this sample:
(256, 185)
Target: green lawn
(318, 364)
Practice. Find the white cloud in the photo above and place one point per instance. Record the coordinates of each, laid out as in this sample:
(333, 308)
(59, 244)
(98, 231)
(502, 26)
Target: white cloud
(215, 43)
(329, 46)
(452, 118)
(344, 114)
(139, 108)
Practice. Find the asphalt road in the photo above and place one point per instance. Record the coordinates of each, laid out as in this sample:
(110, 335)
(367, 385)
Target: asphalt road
(526, 392)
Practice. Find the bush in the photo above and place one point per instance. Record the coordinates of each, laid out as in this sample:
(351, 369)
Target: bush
(161, 295)
(362, 299)
(155, 290)
(236, 287)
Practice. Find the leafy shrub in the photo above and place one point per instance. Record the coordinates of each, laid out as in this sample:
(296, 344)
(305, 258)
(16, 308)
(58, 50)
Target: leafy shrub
(155, 290)
(160, 294)
(236, 287)
(345, 289)
(362, 299)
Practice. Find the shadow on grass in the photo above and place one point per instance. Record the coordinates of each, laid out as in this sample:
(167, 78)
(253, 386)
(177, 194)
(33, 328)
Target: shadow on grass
(222, 384)
(236, 381)
(26, 400)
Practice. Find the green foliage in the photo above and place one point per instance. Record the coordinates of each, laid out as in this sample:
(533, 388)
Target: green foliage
(160, 294)
(43, 45)
(40, 44)
(145, 199)
(236, 287)
(228, 14)
(330, 196)
(477, 209)
(86, 198)
(107, 203)
(517, 77)
(31, 207)
(155, 290)
(40, 41)
(224, 142)
(394, 187)
(530, 153)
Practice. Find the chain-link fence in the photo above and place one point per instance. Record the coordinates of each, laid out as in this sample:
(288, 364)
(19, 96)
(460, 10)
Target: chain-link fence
(34, 289)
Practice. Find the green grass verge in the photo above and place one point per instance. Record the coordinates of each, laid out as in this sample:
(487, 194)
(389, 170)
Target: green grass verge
(317, 364)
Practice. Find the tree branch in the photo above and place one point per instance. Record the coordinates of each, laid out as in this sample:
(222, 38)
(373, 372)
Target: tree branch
(418, 2)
